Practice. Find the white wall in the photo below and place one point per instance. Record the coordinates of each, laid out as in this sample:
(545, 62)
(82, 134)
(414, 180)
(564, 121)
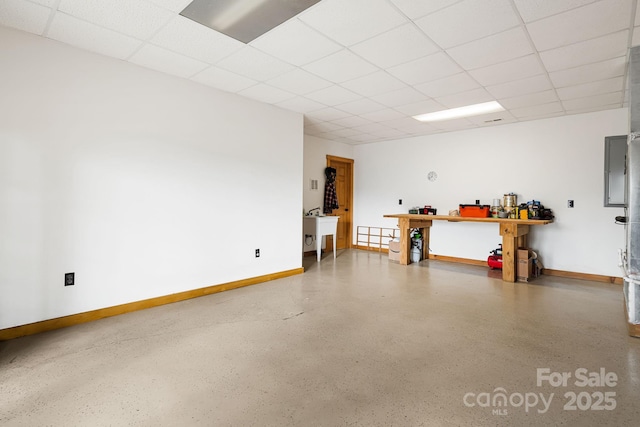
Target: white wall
(315, 161)
(550, 160)
(141, 183)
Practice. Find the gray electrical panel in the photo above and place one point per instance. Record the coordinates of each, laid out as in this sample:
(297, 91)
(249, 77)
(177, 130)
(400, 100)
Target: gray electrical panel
(615, 153)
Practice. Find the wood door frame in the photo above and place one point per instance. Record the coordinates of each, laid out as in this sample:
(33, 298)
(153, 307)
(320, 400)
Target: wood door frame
(350, 213)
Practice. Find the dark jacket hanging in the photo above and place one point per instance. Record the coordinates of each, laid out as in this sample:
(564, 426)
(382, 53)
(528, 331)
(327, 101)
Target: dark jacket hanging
(330, 194)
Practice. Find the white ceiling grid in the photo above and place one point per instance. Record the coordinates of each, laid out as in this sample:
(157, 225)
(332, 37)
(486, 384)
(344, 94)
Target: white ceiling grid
(359, 69)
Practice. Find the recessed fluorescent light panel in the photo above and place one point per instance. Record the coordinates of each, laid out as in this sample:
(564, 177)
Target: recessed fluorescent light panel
(456, 113)
(244, 20)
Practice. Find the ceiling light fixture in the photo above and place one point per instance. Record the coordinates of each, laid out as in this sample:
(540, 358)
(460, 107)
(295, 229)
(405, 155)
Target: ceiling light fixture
(244, 20)
(456, 113)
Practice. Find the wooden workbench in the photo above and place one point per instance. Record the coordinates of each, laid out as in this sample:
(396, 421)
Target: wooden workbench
(513, 231)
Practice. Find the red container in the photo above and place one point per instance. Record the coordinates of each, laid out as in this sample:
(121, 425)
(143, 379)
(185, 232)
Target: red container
(475, 211)
(495, 262)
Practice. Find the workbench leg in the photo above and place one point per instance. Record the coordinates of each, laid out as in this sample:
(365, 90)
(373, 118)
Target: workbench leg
(512, 236)
(508, 259)
(425, 242)
(522, 242)
(405, 241)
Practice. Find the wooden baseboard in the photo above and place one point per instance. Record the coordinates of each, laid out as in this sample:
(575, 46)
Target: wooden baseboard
(458, 260)
(89, 316)
(372, 249)
(547, 271)
(583, 276)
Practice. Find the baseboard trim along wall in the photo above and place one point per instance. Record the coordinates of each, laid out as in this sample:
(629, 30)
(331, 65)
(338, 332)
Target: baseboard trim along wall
(547, 271)
(89, 316)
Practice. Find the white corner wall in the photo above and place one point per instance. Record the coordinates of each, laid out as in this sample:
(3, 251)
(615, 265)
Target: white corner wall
(141, 183)
(550, 160)
(315, 161)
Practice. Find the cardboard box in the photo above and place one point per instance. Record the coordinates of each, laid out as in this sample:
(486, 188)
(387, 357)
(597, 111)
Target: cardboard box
(525, 266)
(394, 250)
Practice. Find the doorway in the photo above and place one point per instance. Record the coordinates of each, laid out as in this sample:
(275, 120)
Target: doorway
(344, 190)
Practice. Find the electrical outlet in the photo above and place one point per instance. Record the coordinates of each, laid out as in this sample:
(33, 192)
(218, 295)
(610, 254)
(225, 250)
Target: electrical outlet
(69, 279)
(257, 253)
(399, 201)
(569, 203)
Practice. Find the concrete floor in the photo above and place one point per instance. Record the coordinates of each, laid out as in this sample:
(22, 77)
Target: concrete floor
(358, 341)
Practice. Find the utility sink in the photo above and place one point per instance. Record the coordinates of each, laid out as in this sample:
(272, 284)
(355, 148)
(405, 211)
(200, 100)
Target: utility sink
(321, 226)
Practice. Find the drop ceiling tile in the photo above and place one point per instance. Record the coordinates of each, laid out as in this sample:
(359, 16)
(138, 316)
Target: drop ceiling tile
(295, 43)
(328, 114)
(533, 84)
(265, 93)
(494, 49)
(417, 9)
(422, 107)
(299, 82)
(85, 35)
(474, 96)
(347, 132)
(389, 133)
(374, 84)
(351, 122)
(468, 20)
(350, 22)
(404, 96)
(333, 95)
(172, 5)
(425, 69)
(413, 127)
(223, 79)
(405, 122)
(327, 126)
(516, 69)
(532, 10)
(590, 89)
(589, 73)
(587, 22)
(187, 37)
(24, 16)
(360, 106)
(252, 63)
(363, 137)
(47, 3)
(310, 121)
(383, 115)
(538, 110)
(530, 99)
(586, 52)
(448, 86)
(397, 46)
(372, 128)
(163, 60)
(594, 101)
(592, 109)
(134, 18)
(340, 67)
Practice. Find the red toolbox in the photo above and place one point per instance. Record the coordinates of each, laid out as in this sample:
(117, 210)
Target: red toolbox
(475, 211)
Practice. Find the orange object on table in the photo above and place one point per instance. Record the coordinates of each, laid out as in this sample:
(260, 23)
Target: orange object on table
(475, 211)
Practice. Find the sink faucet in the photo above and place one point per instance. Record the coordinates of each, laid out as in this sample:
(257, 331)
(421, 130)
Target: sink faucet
(314, 209)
